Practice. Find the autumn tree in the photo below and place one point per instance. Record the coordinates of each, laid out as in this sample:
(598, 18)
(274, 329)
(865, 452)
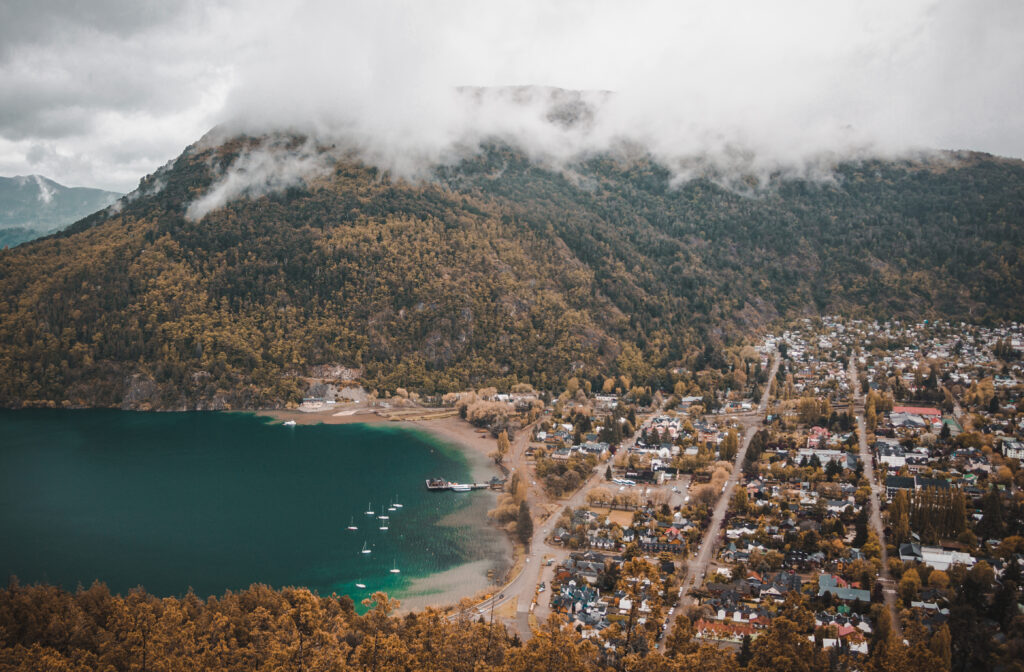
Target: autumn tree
(503, 447)
(730, 445)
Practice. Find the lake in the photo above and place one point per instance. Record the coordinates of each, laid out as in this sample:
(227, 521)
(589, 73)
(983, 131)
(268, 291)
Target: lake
(217, 501)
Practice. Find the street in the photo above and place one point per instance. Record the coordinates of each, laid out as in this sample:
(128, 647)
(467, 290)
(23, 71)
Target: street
(698, 564)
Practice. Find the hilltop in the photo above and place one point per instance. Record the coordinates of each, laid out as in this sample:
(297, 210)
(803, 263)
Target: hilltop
(493, 269)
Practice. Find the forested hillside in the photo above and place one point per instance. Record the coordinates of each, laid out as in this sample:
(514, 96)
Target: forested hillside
(495, 271)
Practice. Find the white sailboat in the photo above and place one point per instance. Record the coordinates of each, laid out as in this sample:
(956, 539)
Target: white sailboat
(365, 550)
(369, 508)
(396, 504)
(394, 568)
(352, 523)
(360, 585)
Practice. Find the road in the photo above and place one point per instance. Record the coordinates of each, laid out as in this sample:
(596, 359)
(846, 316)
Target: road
(523, 586)
(875, 515)
(698, 564)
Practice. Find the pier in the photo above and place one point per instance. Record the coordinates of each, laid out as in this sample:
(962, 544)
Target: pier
(437, 484)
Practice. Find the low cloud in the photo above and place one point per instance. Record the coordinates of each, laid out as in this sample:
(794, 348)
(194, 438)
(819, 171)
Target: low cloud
(271, 167)
(726, 89)
(783, 87)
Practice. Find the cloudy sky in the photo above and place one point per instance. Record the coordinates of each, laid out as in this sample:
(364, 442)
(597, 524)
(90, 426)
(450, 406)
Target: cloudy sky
(101, 93)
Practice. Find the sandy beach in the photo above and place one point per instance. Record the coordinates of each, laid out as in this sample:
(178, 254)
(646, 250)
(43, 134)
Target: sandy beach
(492, 547)
(340, 415)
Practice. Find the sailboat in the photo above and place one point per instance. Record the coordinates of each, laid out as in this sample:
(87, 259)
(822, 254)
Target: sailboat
(384, 525)
(369, 508)
(365, 550)
(384, 517)
(352, 523)
(397, 505)
(360, 585)
(394, 569)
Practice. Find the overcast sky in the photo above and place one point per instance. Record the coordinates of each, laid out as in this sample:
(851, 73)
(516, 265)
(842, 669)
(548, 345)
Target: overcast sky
(100, 93)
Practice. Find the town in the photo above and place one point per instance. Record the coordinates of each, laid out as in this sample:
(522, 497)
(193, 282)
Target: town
(867, 472)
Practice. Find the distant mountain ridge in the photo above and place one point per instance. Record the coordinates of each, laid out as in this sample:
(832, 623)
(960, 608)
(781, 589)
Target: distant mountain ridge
(33, 205)
(496, 270)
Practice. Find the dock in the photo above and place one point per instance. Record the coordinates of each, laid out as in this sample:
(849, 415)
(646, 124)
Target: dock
(437, 484)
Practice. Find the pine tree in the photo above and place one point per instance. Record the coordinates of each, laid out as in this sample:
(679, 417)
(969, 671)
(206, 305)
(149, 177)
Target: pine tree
(524, 523)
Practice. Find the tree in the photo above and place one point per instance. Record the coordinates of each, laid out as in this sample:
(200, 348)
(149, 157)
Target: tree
(730, 445)
(870, 414)
(744, 655)
(785, 646)
(899, 517)
(739, 502)
(938, 579)
(991, 525)
(940, 645)
(504, 445)
(524, 523)
(910, 586)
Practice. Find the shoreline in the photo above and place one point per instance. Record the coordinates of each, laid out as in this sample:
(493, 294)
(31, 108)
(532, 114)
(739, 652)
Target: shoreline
(495, 552)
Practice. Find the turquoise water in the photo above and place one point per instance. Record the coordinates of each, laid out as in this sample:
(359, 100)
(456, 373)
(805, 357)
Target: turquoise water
(217, 501)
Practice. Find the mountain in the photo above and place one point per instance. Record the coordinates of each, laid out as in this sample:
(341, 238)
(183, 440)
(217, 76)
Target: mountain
(215, 285)
(33, 205)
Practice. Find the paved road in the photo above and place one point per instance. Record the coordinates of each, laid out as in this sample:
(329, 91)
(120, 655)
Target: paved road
(698, 564)
(539, 548)
(875, 516)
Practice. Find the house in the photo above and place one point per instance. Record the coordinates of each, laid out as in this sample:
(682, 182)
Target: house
(918, 410)
(817, 437)
(837, 505)
(893, 484)
(907, 420)
(934, 556)
(891, 456)
(1013, 449)
(826, 455)
(828, 583)
(722, 631)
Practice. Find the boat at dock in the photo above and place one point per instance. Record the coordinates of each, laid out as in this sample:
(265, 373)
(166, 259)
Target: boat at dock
(460, 487)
